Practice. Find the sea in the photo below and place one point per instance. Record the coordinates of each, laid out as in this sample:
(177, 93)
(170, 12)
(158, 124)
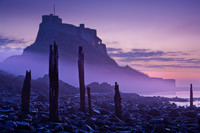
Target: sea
(180, 94)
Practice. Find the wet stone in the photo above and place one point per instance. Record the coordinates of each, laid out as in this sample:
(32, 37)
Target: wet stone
(157, 120)
(87, 128)
(11, 124)
(173, 113)
(191, 114)
(24, 126)
(158, 128)
(99, 122)
(58, 128)
(68, 128)
(96, 112)
(154, 112)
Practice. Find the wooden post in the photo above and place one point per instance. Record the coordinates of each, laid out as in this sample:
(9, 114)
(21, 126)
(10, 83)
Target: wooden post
(81, 78)
(53, 83)
(117, 100)
(25, 95)
(191, 96)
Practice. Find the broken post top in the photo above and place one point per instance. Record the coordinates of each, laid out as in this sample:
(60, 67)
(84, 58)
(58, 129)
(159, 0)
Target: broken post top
(80, 53)
(190, 85)
(28, 73)
(116, 87)
(54, 46)
(53, 49)
(80, 49)
(88, 89)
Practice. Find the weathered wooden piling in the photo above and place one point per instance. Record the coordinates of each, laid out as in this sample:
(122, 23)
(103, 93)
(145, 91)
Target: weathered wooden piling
(25, 94)
(191, 96)
(53, 83)
(89, 101)
(81, 78)
(117, 100)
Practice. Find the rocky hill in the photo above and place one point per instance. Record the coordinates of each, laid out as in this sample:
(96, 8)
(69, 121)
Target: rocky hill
(40, 87)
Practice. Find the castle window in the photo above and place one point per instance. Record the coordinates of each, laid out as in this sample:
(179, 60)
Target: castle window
(99, 42)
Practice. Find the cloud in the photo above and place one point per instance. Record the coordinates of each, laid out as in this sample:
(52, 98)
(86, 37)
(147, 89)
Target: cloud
(137, 53)
(165, 66)
(150, 58)
(7, 40)
(172, 66)
(114, 49)
(164, 59)
(10, 46)
(113, 42)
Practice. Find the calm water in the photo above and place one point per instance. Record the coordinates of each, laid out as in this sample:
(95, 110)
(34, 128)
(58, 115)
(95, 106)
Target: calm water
(180, 94)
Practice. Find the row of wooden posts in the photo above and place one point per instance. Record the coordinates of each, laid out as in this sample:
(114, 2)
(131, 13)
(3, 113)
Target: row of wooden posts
(54, 87)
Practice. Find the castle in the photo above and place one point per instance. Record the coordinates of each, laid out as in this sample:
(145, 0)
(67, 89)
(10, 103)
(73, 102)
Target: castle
(87, 34)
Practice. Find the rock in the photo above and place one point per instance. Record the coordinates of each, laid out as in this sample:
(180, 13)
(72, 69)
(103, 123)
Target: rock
(173, 113)
(80, 113)
(90, 122)
(87, 128)
(99, 122)
(24, 126)
(10, 125)
(2, 120)
(122, 128)
(157, 120)
(12, 116)
(6, 111)
(22, 131)
(103, 128)
(68, 128)
(44, 118)
(158, 128)
(198, 121)
(154, 112)
(191, 114)
(96, 112)
(41, 98)
(125, 116)
(103, 111)
(58, 128)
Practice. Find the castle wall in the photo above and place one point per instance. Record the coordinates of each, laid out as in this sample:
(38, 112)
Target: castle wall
(88, 35)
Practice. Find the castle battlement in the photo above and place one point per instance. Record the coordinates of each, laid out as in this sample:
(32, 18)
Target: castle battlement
(55, 23)
(51, 19)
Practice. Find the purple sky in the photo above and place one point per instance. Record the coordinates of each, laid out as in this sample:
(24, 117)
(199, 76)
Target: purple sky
(157, 37)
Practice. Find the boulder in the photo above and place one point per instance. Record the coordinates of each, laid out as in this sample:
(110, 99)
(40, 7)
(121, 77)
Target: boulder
(154, 112)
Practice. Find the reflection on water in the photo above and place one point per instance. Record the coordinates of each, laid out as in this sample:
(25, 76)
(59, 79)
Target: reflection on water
(180, 94)
(186, 104)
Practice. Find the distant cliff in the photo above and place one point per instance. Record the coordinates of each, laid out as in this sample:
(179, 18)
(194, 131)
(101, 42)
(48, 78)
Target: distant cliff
(99, 67)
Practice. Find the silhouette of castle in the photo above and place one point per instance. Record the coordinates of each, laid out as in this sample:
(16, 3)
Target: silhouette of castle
(87, 34)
